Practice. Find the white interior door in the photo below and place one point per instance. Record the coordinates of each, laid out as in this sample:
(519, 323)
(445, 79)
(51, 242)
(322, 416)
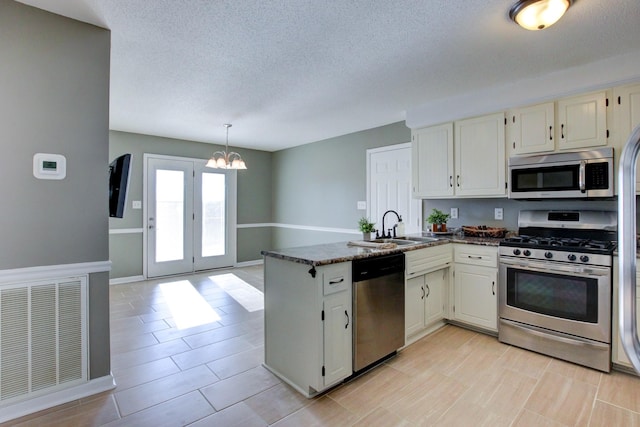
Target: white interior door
(389, 187)
(191, 216)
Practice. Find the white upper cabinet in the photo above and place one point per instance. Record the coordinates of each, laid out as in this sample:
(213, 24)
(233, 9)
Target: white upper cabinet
(480, 156)
(432, 160)
(626, 110)
(465, 158)
(582, 121)
(532, 129)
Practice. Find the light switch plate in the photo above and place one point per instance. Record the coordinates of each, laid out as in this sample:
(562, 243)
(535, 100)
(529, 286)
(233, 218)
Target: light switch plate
(498, 214)
(454, 213)
(362, 205)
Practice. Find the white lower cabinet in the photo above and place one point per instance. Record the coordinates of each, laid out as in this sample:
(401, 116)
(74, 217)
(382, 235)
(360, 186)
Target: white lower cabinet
(475, 286)
(425, 303)
(308, 323)
(427, 286)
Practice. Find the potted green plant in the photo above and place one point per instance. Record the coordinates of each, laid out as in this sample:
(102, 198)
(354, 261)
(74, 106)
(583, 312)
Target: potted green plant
(366, 227)
(438, 220)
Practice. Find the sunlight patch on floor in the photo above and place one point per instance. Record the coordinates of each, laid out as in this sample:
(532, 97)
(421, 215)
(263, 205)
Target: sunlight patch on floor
(187, 306)
(245, 294)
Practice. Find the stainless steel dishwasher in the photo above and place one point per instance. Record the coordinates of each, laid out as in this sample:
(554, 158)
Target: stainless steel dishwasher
(378, 308)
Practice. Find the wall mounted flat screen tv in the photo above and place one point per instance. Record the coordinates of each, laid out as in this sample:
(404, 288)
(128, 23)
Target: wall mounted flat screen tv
(118, 184)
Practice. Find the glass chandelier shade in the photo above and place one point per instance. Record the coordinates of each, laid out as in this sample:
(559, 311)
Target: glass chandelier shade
(538, 14)
(226, 159)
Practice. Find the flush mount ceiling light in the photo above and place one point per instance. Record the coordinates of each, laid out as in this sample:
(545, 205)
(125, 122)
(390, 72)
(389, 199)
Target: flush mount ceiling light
(538, 14)
(226, 159)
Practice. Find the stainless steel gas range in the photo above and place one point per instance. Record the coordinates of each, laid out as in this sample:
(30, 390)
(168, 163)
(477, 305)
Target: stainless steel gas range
(556, 284)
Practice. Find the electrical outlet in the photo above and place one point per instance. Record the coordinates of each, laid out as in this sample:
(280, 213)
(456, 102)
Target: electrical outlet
(362, 206)
(136, 204)
(454, 213)
(498, 214)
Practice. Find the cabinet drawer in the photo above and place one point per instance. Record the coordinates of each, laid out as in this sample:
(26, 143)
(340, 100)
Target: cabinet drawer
(336, 278)
(426, 259)
(486, 256)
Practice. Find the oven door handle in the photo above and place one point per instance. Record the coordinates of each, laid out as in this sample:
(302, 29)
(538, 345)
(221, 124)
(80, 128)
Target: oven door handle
(576, 270)
(574, 341)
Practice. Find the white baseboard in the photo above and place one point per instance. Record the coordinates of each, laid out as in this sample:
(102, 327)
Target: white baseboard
(36, 404)
(250, 263)
(122, 280)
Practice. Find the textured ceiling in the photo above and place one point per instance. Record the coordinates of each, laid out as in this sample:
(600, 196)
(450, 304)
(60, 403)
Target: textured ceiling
(290, 72)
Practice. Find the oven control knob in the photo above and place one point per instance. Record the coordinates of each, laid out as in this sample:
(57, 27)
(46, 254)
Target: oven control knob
(516, 251)
(584, 258)
(526, 252)
(571, 257)
(548, 255)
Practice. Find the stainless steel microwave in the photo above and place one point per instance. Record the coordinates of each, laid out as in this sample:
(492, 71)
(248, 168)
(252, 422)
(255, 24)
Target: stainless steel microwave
(578, 174)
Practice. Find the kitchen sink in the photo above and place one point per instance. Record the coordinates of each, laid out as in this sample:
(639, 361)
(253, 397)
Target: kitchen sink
(406, 240)
(398, 242)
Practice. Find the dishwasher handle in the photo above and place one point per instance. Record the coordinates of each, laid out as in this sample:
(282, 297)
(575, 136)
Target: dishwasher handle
(371, 268)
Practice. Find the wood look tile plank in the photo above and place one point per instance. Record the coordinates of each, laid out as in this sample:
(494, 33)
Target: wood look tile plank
(381, 417)
(605, 414)
(531, 419)
(621, 390)
(209, 353)
(562, 399)
(238, 415)
(373, 389)
(426, 398)
(239, 387)
(181, 411)
(322, 412)
(276, 403)
(140, 397)
(229, 366)
(525, 361)
(147, 354)
(140, 374)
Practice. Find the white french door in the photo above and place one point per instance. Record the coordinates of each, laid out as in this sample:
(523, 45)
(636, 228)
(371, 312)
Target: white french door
(190, 216)
(389, 187)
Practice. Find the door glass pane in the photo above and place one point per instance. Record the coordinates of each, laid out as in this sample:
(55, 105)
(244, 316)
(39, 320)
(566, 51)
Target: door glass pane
(169, 215)
(213, 214)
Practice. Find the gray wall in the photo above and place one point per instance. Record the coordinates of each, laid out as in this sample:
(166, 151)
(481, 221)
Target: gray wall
(54, 81)
(254, 197)
(319, 184)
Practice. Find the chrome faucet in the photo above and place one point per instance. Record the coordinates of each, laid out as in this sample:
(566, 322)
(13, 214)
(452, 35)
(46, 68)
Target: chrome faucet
(388, 235)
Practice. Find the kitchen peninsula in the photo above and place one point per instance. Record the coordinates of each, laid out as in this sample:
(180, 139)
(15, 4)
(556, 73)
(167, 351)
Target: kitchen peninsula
(309, 302)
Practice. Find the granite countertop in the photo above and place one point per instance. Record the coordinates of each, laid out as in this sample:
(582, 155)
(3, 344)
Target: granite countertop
(331, 253)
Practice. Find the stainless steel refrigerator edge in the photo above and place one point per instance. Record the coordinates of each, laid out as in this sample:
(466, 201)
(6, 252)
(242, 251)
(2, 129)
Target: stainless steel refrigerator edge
(627, 249)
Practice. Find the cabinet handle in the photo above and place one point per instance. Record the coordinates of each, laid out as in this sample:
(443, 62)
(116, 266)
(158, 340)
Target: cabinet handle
(428, 291)
(346, 314)
(336, 281)
(493, 288)
(550, 133)
(458, 180)
(450, 180)
(562, 131)
(422, 287)
(474, 257)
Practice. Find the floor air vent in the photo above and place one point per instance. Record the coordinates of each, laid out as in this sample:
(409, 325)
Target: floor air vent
(42, 337)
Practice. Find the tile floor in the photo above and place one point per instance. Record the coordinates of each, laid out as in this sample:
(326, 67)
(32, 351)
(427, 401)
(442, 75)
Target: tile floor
(211, 375)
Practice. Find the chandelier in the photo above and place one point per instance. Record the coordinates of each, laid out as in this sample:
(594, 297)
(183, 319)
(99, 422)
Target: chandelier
(226, 159)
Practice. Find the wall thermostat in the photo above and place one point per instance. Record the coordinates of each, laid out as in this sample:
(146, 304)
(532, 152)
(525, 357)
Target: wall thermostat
(49, 166)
